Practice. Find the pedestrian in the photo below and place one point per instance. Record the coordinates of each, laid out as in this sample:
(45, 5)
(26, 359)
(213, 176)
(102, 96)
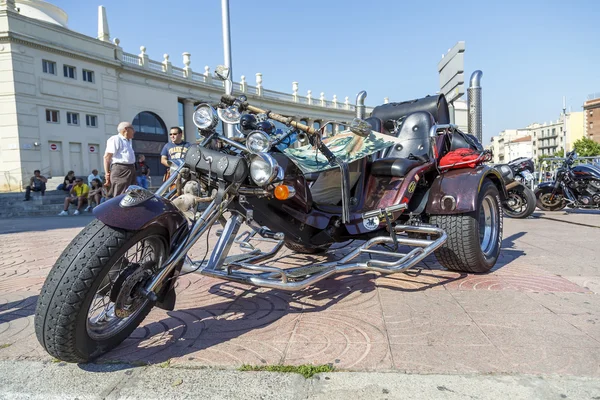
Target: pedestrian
(92, 176)
(176, 149)
(67, 184)
(142, 172)
(37, 183)
(119, 160)
(95, 194)
(78, 195)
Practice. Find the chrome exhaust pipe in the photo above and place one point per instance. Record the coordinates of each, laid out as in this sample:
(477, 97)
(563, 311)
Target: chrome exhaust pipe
(360, 104)
(475, 121)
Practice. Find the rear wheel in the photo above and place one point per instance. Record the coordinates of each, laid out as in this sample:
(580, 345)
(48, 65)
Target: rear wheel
(547, 202)
(90, 301)
(474, 239)
(305, 249)
(520, 203)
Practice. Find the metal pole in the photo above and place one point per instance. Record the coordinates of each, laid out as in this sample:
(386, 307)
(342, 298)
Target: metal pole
(564, 127)
(229, 131)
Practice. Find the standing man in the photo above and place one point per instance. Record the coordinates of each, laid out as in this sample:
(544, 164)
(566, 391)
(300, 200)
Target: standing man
(119, 160)
(175, 149)
(142, 172)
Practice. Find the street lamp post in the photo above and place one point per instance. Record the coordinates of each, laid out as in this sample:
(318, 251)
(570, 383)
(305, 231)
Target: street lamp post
(229, 131)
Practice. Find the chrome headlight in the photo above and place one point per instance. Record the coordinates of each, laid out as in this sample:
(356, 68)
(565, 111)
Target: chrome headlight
(264, 169)
(258, 142)
(205, 117)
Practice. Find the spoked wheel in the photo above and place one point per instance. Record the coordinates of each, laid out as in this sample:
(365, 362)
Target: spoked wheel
(520, 203)
(91, 301)
(118, 301)
(474, 239)
(547, 202)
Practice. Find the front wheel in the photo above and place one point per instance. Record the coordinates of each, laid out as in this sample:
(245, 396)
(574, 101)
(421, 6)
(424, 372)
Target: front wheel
(474, 239)
(520, 203)
(90, 301)
(547, 202)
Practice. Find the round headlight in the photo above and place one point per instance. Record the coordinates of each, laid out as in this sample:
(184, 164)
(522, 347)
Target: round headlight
(258, 142)
(205, 117)
(263, 169)
(230, 115)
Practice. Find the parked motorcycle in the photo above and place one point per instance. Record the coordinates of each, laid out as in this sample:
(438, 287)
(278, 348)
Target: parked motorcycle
(523, 169)
(128, 260)
(574, 187)
(521, 201)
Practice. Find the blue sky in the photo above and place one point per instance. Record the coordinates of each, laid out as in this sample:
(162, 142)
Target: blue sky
(531, 52)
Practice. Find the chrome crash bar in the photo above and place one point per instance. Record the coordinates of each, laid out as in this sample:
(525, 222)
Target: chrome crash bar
(301, 277)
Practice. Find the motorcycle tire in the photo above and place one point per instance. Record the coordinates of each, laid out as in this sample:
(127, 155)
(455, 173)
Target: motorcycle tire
(542, 204)
(304, 249)
(526, 196)
(63, 322)
(466, 249)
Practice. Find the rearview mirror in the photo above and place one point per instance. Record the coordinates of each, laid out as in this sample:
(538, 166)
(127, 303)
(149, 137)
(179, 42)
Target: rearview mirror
(222, 72)
(360, 127)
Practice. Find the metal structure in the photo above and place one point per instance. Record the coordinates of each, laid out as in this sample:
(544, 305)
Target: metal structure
(229, 130)
(360, 104)
(475, 122)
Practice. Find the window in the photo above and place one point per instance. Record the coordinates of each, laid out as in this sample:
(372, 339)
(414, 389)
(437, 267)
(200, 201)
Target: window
(553, 131)
(561, 129)
(591, 125)
(534, 142)
(533, 134)
(534, 152)
(52, 116)
(72, 118)
(88, 76)
(91, 121)
(591, 113)
(69, 71)
(148, 122)
(49, 67)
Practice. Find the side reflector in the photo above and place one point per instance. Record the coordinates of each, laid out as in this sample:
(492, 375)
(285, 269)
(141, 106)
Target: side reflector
(284, 192)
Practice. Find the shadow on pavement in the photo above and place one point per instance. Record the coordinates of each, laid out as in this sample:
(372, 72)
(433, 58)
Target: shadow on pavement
(17, 309)
(38, 224)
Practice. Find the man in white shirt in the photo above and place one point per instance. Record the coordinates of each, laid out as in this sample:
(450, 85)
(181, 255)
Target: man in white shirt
(119, 160)
(92, 176)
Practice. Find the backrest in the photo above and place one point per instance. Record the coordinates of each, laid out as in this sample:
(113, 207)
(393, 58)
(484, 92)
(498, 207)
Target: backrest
(414, 134)
(375, 123)
(436, 105)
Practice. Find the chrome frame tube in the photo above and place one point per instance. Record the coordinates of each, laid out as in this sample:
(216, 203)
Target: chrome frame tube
(269, 277)
(223, 245)
(360, 104)
(208, 218)
(167, 184)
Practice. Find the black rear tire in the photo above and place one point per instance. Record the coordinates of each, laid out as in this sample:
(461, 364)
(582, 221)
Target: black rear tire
(463, 249)
(61, 317)
(305, 249)
(525, 201)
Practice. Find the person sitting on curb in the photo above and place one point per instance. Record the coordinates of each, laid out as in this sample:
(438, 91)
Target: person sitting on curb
(67, 184)
(95, 195)
(37, 183)
(78, 195)
(92, 176)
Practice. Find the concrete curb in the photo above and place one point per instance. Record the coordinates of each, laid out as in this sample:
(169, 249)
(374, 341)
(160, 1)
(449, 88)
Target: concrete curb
(39, 380)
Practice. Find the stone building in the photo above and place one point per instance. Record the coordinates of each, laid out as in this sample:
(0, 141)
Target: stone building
(591, 109)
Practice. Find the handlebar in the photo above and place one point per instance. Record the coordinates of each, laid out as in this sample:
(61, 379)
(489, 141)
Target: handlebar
(244, 105)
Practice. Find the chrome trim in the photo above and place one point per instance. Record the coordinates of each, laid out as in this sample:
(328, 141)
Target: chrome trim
(232, 143)
(264, 135)
(215, 117)
(276, 170)
(292, 279)
(360, 104)
(475, 81)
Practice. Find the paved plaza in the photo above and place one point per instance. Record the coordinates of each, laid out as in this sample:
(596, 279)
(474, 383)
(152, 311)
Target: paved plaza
(537, 313)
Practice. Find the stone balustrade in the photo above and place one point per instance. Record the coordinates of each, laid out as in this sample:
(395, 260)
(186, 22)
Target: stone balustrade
(165, 67)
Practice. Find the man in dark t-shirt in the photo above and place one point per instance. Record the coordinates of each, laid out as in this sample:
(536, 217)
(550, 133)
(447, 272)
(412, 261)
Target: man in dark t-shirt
(176, 148)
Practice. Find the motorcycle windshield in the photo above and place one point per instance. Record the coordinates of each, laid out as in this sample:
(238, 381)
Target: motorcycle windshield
(345, 145)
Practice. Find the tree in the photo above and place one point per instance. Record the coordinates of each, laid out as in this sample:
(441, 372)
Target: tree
(586, 147)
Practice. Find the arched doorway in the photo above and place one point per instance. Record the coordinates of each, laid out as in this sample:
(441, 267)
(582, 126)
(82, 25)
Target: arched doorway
(150, 136)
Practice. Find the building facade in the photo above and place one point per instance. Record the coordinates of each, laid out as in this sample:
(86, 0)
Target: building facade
(62, 95)
(591, 109)
(511, 144)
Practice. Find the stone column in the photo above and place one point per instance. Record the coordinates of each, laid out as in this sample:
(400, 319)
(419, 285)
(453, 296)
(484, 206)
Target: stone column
(309, 97)
(187, 60)
(8, 5)
(207, 75)
(295, 91)
(167, 67)
(118, 49)
(259, 84)
(189, 129)
(243, 84)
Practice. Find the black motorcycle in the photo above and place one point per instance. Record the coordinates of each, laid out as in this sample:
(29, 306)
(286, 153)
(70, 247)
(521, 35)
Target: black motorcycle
(520, 202)
(523, 169)
(575, 187)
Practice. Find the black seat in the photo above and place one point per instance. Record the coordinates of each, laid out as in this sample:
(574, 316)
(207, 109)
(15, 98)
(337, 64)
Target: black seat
(437, 106)
(413, 150)
(398, 167)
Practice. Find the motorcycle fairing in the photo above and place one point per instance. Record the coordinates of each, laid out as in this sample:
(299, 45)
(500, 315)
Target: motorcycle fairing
(463, 185)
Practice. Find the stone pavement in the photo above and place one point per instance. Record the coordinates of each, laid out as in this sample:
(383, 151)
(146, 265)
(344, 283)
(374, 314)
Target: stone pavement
(538, 312)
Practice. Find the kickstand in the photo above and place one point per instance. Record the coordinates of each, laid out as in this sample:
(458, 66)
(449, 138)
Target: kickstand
(392, 230)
